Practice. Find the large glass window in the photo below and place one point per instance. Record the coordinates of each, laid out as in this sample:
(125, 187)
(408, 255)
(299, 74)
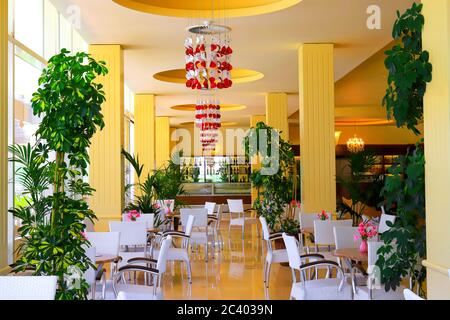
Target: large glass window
(29, 24)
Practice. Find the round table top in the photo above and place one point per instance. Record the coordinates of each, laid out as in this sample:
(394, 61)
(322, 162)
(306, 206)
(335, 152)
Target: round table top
(351, 253)
(153, 230)
(105, 258)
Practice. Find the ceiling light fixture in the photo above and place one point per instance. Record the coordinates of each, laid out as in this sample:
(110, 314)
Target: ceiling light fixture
(355, 144)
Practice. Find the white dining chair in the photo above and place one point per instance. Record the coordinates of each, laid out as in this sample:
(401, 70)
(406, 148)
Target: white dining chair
(28, 288)
(105, 243)
(409, 295)
(200, 232)
(236, 207)
(177, 254)
(315, 289)
(374, 289)
(384, 219)
(215, 220)
(211, 207)
(90, 275)
(324, 236)
(133, 239)
(148, 219)
(307, 222)
(153, 271)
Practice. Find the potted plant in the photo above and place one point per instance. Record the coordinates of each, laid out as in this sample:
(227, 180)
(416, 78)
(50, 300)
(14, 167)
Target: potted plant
(69, 102)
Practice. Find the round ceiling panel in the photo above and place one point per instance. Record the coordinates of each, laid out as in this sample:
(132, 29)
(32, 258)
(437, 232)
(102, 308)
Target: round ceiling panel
(237, 75)
(223, 107)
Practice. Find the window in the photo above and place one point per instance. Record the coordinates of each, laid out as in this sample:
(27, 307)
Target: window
(29, 24)
(65, 33)
(51, 30)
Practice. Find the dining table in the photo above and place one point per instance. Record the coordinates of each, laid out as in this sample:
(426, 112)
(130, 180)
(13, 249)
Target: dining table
(351, 256)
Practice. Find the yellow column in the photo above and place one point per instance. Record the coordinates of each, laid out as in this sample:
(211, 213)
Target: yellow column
(3, 134)
(144, 131)
(436, 39)
(106, 172)
(277, 113)
(256, 165)
(317, 138)
(162, 141)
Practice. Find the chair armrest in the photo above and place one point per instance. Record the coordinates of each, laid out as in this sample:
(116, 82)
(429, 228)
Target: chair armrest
(99, 274)
(140, 260)
(276, 235)
(312, 255)
(175, 234)
(319, 263)
(131, 267)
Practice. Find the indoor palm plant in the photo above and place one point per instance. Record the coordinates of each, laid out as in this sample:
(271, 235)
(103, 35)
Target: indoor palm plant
(69, 103)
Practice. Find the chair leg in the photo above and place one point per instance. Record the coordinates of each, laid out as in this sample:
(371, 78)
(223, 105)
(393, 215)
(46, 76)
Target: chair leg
(269, 265)
(206, 251)
(188, 267)
(265, 272)
(243, 230)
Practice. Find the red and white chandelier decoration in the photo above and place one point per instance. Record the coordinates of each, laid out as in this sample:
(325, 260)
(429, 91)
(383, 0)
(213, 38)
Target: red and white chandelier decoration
(208, 120)
(208, 57)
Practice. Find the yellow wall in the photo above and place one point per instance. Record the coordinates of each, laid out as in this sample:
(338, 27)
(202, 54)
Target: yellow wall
(3, 134)
(317, 142)
(162, 141)
(144, 131)
(436, 39)
(277, 114)
(106, 173)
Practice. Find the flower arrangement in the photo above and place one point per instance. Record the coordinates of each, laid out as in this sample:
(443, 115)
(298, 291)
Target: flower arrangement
(323, 215)
(366, 231)
(133, 215)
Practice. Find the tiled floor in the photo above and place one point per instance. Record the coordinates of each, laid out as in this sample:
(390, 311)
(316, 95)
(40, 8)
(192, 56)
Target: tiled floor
(234, 273)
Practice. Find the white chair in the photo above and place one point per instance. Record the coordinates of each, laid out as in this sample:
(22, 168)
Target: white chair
(323, 233)
(383, 227)
(148, 219)
(28, 288)
(182, 253)
(133, 239)
(89, 225)
(409, 295)
(211, 207)
(105, 243)
(199, 237)
(90, 275)
(215, 220)
(272, 256)
(374, 289)
(307, 221)
(318, 289)
(344, 237)
(153, 268)
(237, 207)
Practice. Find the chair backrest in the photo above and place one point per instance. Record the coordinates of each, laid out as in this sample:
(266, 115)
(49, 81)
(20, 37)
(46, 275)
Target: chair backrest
(307, 219)
(162, 256)
(28, 288)
(89, 225)
(189, 225)
(201, 216)
(292, 251)
(265, 228)
(131, 233)
(372, 248)
(148, 219)
(105, 242)
(211, 207)
(409, 295)
(344, 237)
(383, 227)
(90, 274)
(323, 230)
(235, 206)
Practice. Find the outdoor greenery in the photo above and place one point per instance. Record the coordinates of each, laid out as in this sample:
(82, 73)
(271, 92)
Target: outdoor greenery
(405, 246)
(409, 70)
(276, 189)
(359, 163)
(69, 103)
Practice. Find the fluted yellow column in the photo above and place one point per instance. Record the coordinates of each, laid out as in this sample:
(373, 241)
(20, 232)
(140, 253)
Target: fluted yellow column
(317, 137)
(144, 131)
(106, 172)
(256, 164)
(162, 140)
(277, 113)
(3, 134)
(436, 39)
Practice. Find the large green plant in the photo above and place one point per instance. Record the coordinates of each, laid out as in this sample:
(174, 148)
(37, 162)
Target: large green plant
(359, 163)
(275, 190)
(69, 103)
(409, 70)
(405, 241)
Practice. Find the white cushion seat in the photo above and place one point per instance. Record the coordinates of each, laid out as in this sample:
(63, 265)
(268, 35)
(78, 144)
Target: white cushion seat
(138, 292)
(362, 293)
(321, 289)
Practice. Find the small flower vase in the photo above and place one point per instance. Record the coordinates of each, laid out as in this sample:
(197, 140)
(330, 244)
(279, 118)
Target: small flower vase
(363, 246)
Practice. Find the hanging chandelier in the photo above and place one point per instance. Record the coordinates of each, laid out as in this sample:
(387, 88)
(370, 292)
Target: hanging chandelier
(355, 144)
(208, 121)
(208, 57)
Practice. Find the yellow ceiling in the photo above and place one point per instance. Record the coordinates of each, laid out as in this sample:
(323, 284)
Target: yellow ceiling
(223, 107)
(203, 8)
(179, 76)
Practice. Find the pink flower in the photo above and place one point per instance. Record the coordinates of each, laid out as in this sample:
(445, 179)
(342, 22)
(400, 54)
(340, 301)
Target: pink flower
(133, 215)
(83, 234)
(323, 215)
(296, 204)
(367, 230)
